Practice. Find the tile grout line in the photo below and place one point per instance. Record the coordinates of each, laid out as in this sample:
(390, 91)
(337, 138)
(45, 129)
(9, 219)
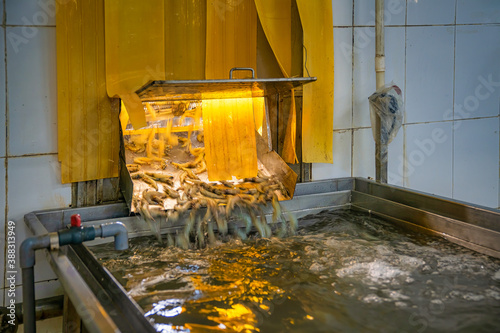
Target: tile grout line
(453, 105)
(352, 90)
(404, 180)
(369, 127)
(6, 162)
(29, 26)
(32, 155)
(417, 25)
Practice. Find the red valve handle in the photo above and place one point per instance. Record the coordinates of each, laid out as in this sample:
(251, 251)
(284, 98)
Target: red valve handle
(76, 220)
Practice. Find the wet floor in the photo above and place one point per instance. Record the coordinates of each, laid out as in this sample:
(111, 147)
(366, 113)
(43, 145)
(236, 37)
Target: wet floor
(344, 271)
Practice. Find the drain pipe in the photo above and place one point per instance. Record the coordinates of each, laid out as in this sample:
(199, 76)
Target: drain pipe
(76, 234)
(380, 149)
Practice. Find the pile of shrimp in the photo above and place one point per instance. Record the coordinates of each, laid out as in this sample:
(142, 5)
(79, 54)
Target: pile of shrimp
(234, 207)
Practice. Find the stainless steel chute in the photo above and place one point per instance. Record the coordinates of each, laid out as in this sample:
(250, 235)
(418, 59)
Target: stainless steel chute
(160, 96)
(218, 89)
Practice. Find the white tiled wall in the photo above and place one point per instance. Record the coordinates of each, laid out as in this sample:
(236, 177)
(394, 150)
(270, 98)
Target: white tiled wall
(363, 163)
(475, 166)
(427, 12)
(429, 73)
(364, 12)
(31, 70)
(477, 11)
(477, 52)
(429, 158)
(39, 172)
(30, 171)
(444, 56)
(343, 71)
(30, 12)
(341, 155)
(395, 165)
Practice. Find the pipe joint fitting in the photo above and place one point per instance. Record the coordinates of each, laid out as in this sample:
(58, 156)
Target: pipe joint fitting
(379, 63)
(54, 241)
(28, 248)
(116, 230)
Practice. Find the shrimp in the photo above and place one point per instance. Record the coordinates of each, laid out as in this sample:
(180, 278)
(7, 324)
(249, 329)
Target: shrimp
(170, 191)
(154, 197)
(210, 194)
(145, 178)
(148, 180)
(153, 225)
(168, 179)
(133, 167)
(143, 160)
(202, 168)
(231, 204)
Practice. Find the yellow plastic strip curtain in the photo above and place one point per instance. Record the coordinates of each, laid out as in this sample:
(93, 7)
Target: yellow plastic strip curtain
(185, 34)
(230, 146)
(317, 109)
(231, 37)
(88, 141)
(229, 138)
(288, 153)
(276, 19)
(135, 50)
(259, 109)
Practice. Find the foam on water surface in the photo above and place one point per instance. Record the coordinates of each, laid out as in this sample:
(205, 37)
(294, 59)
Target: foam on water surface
(343, 271)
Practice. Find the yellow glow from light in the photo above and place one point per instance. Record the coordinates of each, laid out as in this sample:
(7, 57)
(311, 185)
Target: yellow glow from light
(246, 292)
(229, 130)
(259, 111)
(123, 117)
(237, 318)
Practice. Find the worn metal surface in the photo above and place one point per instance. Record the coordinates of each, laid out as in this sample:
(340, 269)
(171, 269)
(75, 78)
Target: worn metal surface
(462, 211)
(275, 166)
(126, 314)
(217, 89)
(93, 315)
(471, 226)
(54, 220)
(324, 186)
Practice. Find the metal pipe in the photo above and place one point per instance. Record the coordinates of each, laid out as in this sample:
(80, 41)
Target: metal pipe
(27, 262)
(380, 148)
(29, 316)
(115, 229)
(75, 235)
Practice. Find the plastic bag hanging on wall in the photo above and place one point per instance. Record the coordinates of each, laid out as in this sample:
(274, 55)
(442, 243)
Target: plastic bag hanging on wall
(387, 104)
